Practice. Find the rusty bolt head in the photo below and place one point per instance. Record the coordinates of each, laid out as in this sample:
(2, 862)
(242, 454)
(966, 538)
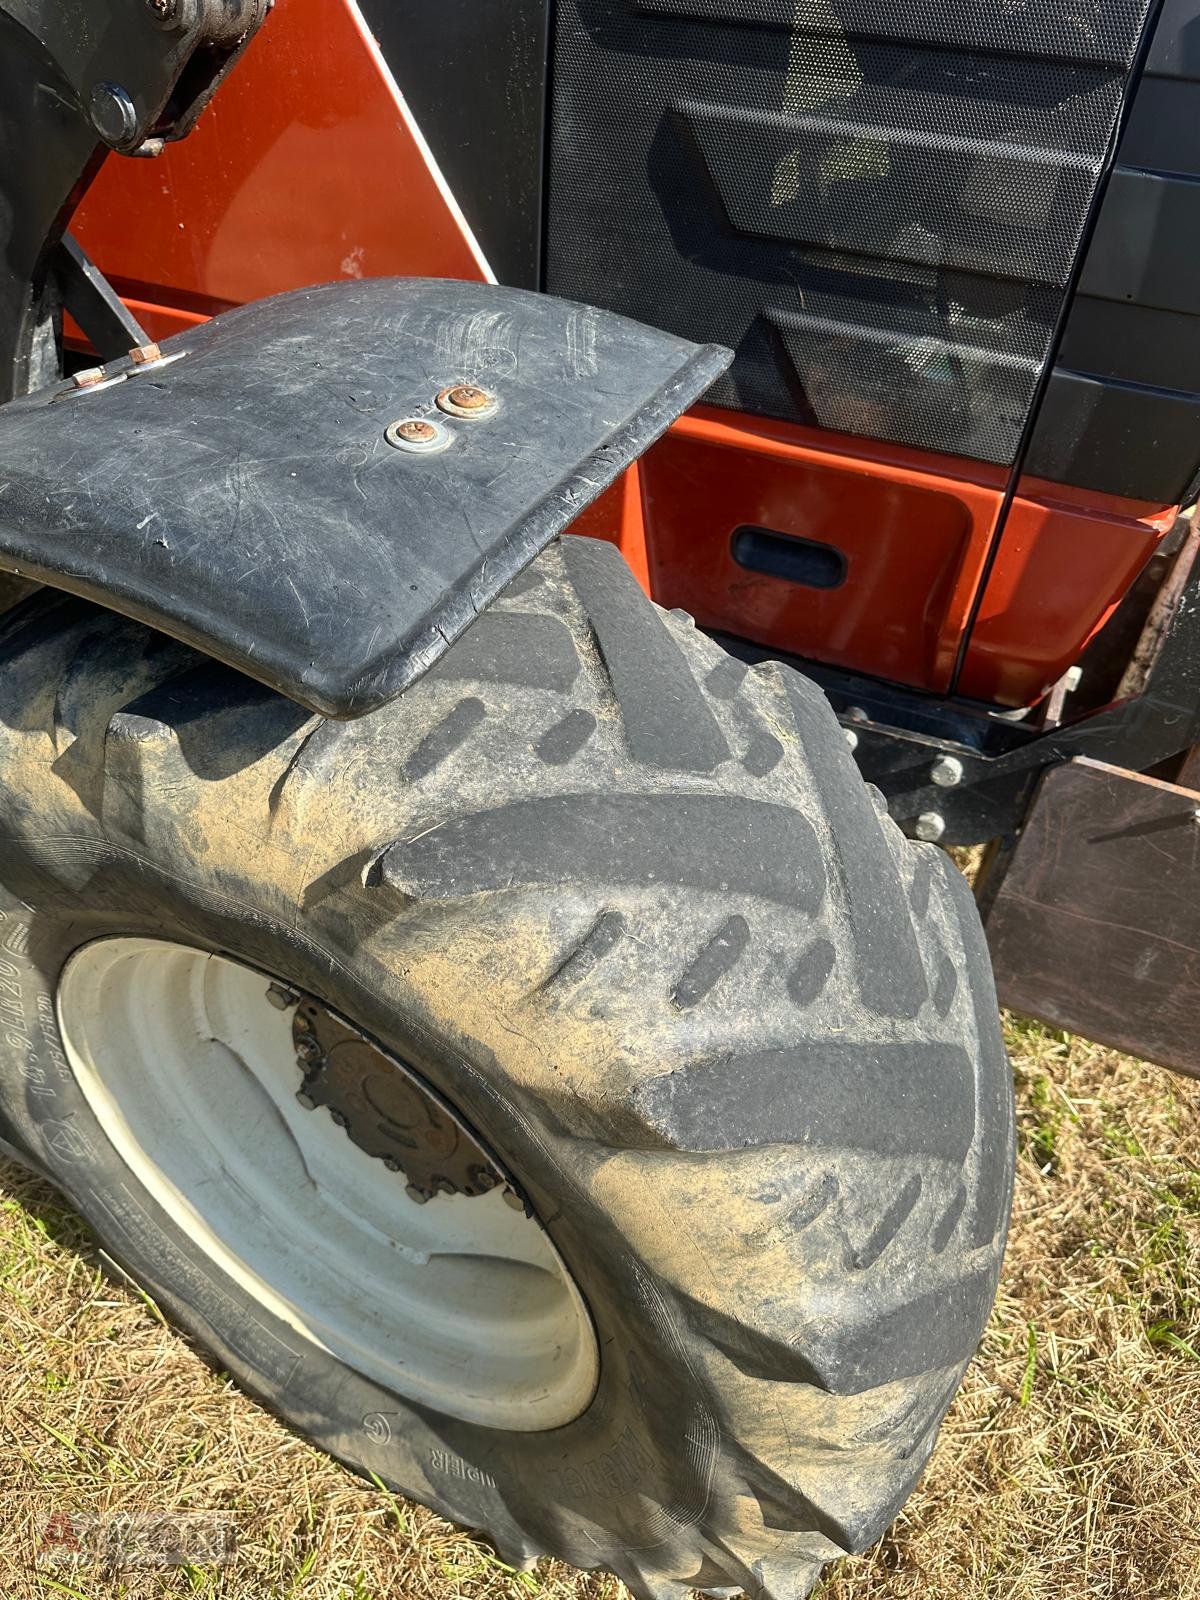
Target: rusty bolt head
(416, 432)
(417, 435)
(466, 400)
(89, 377)
(142, 354)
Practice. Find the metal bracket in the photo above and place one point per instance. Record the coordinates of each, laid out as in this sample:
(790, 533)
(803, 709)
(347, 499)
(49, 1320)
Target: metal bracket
(78, 80)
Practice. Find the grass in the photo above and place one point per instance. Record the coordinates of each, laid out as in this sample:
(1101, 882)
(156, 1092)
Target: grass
(1069, 1468)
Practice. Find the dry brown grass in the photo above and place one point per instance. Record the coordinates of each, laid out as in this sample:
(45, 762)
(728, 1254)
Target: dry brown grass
(1069, 1467)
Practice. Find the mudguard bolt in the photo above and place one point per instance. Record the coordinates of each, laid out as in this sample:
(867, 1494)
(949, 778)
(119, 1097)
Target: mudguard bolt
(466, 400)
(946, 772)
(417, 435)
(416, 432)
(930, 826)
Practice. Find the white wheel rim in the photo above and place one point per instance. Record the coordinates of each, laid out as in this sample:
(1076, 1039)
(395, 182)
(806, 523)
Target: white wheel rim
(462, 1304)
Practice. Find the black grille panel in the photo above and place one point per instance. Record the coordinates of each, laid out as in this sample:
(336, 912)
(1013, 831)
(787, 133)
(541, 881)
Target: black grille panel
(882, 225)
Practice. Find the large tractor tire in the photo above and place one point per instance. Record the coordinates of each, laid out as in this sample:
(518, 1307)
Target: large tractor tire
(724, 1042)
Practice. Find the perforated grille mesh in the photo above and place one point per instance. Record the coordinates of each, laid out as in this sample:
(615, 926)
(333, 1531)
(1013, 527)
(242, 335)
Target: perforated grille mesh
(880, 225)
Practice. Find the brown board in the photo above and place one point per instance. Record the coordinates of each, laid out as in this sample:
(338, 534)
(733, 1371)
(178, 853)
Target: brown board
(1095, 926)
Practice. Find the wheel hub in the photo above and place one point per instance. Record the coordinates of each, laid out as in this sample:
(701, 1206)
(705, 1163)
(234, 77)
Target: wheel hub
(385, 1109)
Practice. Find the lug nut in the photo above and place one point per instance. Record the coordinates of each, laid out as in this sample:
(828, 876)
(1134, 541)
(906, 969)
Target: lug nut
(142, 354)
(466, 400)
(947, 772)
(929, 826)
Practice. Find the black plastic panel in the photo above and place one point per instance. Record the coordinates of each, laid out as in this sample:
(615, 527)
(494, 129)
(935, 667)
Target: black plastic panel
(1122, 411)
(879, 205)
(474, 77)
(243, 496)
(1116, 437)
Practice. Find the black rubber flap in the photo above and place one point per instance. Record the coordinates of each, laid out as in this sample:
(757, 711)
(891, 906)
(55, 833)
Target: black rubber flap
(244, 497)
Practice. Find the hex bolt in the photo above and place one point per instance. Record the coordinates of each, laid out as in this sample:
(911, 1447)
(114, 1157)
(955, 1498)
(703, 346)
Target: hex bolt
(113, 114)
(340, 1119)
(483, 1178)
(417, 436)
(166, 12)
(143, 354)
(306, 1100)
(929, 826)
(416, 1195)
(280, 997)
(466, 400)
(851, 738)
(946, 772)
(391, 1163)
(88, 377)
(513, 1199)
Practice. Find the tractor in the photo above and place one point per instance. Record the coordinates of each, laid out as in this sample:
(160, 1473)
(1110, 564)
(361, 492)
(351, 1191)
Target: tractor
(528, 530)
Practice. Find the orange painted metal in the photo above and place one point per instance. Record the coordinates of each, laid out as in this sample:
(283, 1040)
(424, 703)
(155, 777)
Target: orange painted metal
(618, 515)
(914, 528)
(1066, 558)
(306, 168)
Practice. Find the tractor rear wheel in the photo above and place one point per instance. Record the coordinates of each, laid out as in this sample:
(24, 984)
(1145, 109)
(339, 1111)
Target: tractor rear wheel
(563, 1094)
